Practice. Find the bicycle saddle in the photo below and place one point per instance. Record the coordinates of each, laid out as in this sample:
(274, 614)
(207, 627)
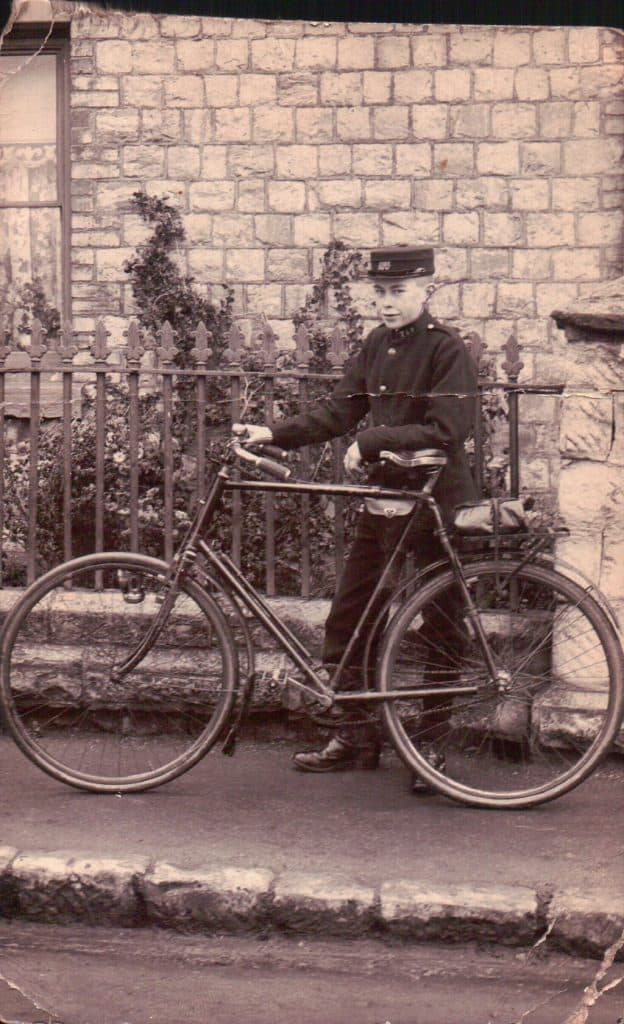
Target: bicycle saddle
(413, 460)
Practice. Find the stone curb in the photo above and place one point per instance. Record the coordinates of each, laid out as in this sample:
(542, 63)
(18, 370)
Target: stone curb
(63, 887)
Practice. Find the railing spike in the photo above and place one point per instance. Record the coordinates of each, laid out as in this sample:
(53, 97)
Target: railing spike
(202, 351)
(65, 345)
(302, 340)
(337, 350)
(37, 346)
(134, 347)
(167, 350)
(513, 364)
(235, 339)
(268, 337)
(477, 348)
(99, 347)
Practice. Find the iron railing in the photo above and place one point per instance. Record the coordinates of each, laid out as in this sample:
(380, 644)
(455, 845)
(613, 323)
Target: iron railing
(52, 374)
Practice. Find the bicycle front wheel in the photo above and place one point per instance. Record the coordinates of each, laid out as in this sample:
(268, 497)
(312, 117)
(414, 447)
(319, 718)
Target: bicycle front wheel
(518, 720)
(86, 703)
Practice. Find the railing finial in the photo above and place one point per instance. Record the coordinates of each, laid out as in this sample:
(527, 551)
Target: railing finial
(202, 351)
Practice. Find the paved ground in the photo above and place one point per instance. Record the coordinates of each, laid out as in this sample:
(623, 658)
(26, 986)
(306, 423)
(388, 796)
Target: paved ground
(252, 813)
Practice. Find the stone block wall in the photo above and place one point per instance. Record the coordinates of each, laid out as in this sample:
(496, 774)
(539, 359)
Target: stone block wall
(500, 146)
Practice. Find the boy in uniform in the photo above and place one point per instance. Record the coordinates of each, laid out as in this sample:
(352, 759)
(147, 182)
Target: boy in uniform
(416, 380)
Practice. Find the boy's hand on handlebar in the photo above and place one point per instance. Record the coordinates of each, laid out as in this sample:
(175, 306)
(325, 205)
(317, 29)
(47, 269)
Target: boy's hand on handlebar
(353, 459)
(251, 433)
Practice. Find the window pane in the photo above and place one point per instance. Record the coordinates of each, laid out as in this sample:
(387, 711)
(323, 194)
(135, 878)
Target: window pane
(28, 129)
(28, 91)
(30, 247)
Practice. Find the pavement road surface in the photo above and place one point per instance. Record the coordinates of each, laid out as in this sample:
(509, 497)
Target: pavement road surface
(74, 975)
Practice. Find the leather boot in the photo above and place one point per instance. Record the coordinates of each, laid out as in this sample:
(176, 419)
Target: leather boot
(346, 749)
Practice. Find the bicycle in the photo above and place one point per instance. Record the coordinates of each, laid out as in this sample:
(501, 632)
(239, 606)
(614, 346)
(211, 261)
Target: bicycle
(120, 672)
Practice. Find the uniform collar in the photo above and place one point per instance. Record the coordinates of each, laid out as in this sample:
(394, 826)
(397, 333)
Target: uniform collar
(410, 330)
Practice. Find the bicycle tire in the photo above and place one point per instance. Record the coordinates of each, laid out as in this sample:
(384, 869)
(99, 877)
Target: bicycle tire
(62, 703)
(558, 659)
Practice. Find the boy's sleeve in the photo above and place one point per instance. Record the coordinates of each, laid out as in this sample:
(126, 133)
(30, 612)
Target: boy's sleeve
(342, 411)
(449, 415)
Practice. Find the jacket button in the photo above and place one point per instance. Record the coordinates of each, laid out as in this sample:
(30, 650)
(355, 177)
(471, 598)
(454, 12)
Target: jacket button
(430, 327)
(382, 387)
(391, 351)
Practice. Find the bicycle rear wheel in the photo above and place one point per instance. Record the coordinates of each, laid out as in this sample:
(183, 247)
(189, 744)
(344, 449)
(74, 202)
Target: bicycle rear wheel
(542, 724)
(70, 708)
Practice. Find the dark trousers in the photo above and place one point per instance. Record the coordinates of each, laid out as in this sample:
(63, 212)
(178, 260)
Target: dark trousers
(374, 541)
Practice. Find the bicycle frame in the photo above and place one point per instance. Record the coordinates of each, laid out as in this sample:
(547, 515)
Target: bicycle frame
(228, 573)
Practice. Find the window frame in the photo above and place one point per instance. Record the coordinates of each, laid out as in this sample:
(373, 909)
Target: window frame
(28, 40)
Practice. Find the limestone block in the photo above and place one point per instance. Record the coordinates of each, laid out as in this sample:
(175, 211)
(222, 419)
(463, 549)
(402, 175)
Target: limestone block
(586, 428)
(233, 229)
(600, 228)
(616, 455)
(256, 89)
(299, 88)
(206, 898)
(590, 494)
(272, 124)
(251, 196)
(314, 124)
(247, 161)
(221, 90)
(156, 57)
(393, 52)
(184, 91)
(582, 551)
(453, 158)
(469, 120)
(358, 229)
(94, 99)
(164, 126)
(312, 229)
(612, 568)
(565, 83)
(512, 48)
(540, 158)
(305, 902)
(545, 229)
(273, 229)
(143, 161)
(353, 124)
(287, 197)
(502, 228)
(532, 84)
(368, 159)
(244, 265)
(493, 84)
(586, 119)
(478, 299)
(233, 125)
(109, 263)
(381, 195)
(584, 923)
(376, 86)
(114, 194)
(433, 195)
(356, 54)
(549, 46)
(399, 226)
(339, 192)
(183, 161)
(265, 298)
(298, 161)
(232, 54)
(341, 89)
(56, 888)
(211, 195)
(194, 54)
(272, 54)
(529, 194)
(391, 123)
(576, 264)
(213, 162)
(498, 158)
(460, 228)
(287, 265)
(113, 56)
(413, 86)
(206, 264)
(180, 27)
(592, 156)
(316, 53)
(596, 365)
(429, 51)
(555, 120)
(430, 121)
(492, 263)
(451, 85)
(505, 914)
(141, 90)
(514, 120)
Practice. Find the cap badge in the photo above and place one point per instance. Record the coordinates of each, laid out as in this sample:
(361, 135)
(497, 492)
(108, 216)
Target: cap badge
(384, 265)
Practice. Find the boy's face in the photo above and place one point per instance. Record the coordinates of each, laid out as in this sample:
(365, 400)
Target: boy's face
(400, 301)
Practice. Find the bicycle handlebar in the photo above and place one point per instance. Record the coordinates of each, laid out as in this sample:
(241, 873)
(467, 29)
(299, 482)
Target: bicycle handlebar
(265, 465)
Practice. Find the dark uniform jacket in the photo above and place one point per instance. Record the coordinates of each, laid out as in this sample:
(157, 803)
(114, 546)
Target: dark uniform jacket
(418, 383)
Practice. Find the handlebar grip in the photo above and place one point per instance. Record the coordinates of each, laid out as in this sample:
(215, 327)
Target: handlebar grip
(270, 450)
(273, 469)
